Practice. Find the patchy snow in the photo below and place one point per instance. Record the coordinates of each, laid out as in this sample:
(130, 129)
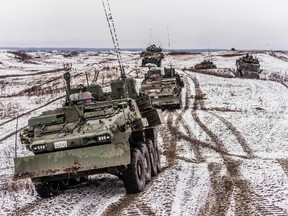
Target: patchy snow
(225, 152)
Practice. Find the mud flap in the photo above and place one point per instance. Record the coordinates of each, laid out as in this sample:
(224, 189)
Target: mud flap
(153, 116)
(72, 161)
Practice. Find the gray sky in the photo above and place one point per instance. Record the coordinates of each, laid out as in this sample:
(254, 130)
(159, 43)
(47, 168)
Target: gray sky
(192, 24)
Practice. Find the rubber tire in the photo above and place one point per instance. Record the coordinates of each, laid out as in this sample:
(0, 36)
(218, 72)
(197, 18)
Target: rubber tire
(158, 161)
(134, 175)
(147, 162)
(46, 189)
(153, 157)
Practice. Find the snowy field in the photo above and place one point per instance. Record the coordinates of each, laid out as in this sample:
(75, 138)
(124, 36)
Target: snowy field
(225, 152)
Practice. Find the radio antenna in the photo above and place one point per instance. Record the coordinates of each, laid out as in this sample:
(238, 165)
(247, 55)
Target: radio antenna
(112, 29)
(168, 38)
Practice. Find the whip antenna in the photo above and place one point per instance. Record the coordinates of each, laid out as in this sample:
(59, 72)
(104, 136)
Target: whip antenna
(112, 29)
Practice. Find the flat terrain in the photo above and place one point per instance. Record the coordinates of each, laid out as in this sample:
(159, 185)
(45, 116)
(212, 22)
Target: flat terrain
(225, 152)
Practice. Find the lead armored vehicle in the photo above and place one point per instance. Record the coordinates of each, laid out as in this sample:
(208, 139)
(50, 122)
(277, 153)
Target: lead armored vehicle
(206, 64)
(108, 133)
(152, 55)
(248, 67)
(163, 86)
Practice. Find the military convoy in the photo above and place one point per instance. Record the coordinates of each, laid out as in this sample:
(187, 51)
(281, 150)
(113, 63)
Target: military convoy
(163, 85)
(248, 67)
(206, 64)
(152, 55)
(108, 133)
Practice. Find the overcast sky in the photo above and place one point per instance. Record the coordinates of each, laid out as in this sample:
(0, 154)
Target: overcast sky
(192, 24)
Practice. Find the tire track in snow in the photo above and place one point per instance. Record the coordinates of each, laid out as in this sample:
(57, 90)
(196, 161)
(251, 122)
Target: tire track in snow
(13, 120)
(32, 110)
(221, 186)
(237, 135)
(284, 164)
(231, 185)
(284, 84)
(198, 102)
(164, 185)
(84, 199)
(195, 148)
(180, 121)
(167, 132)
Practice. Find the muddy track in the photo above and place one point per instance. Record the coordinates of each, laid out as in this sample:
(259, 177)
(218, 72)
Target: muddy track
(170, 147)
(214, 138)
(83, 199)
(36, 89)
(188, 94)
(218, 200)
(164, 185)
(208, 146)
(180, 120)
(10, 121)
(284, 84)
(221, 186)
(31, 74)
(225, 188)
(129, 206)
(248, 202)
(284, 165)
(121, 204)
(30, 207)
(198, 102)
(237, 135)
(195, 148)
(30, 111)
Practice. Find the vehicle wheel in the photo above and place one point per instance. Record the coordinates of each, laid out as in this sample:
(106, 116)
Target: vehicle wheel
(153, 157)
(158, 162)
(147, 162)
(134, 175)
(64, 184)
(46, 189)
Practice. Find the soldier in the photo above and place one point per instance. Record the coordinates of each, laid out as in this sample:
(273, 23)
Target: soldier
(82, 94)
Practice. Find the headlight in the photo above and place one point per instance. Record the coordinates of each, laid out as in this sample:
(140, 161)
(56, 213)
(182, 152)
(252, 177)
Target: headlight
(104, 138)
(39, 147)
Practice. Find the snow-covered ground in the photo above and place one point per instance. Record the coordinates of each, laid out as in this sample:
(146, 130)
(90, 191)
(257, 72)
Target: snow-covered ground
(224, 153)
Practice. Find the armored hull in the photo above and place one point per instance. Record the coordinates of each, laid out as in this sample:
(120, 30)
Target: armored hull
(248, 67)
(164, 88)
(152, 55)
(91, 136)
(205, 65)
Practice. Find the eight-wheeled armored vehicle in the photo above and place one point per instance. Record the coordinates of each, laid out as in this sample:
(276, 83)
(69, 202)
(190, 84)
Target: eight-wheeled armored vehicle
(206, 64)
(248, 67)
(108, 133)
(152, 55)
(163, 87)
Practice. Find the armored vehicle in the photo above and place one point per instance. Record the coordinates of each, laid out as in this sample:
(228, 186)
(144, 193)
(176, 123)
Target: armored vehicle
(248, 67)
(163, 86)
(109, 133)
(206, 64)
(152, 55)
